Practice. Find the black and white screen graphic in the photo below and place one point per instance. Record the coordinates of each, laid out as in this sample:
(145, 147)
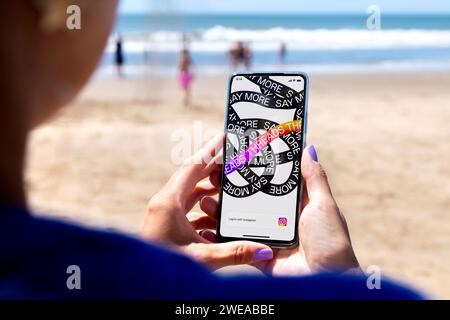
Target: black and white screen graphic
(262, 178)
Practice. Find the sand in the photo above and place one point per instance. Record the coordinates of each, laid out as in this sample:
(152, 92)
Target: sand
(383, 139)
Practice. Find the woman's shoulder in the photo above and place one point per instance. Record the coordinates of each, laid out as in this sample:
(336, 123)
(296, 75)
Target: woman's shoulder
(111, 265)
(39, 257)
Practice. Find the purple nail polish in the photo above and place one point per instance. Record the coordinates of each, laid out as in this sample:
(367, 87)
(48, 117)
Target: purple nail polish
(313, 153)
(262, 254)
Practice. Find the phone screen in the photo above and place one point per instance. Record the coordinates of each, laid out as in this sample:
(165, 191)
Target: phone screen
(261, 180)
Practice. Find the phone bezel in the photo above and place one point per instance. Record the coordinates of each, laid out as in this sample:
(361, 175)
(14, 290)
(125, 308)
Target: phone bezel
(272, 243)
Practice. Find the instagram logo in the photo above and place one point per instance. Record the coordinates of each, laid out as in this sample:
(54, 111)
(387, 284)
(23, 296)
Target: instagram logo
(282, 222)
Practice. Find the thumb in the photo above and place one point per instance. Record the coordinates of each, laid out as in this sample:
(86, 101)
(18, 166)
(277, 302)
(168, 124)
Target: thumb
(315, 177)
(220, 255)
(199, 166)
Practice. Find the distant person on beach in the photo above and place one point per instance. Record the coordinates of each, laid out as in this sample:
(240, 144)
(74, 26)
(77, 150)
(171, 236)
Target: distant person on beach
(185, 41)
(173, 259)
(185, 76)
(282, 53)
(118, 56)
(248, 56)
(234, 55)
(146, 55)
(240, 54)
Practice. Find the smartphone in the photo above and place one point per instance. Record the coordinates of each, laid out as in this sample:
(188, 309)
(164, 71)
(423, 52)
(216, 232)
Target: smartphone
(265, 126)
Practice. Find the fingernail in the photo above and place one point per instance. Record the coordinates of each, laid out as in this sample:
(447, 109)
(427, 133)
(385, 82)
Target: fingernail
(313, 153)
(262, 254)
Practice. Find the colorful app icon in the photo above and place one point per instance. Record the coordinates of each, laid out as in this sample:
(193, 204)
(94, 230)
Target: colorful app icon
(282, 222)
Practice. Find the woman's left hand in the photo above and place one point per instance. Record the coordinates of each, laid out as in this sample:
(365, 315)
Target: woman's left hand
(168, 219)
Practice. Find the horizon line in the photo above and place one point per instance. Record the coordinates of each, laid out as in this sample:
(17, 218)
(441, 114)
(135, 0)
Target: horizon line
(350, 13)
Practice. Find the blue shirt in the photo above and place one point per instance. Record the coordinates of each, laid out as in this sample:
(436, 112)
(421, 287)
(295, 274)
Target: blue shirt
(36, 252)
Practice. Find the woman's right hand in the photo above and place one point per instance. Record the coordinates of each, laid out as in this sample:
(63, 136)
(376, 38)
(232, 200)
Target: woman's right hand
(324, 238)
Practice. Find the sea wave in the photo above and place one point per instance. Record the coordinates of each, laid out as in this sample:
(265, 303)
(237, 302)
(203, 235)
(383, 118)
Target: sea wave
(219, 38)
(407, 66)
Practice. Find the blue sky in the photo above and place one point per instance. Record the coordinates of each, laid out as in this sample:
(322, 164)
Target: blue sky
(284, 6)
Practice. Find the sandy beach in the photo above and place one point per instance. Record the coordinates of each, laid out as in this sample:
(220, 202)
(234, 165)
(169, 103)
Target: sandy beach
(383, 139)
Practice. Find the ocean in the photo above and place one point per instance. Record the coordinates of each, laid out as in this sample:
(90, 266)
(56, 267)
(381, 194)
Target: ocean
(314, 43)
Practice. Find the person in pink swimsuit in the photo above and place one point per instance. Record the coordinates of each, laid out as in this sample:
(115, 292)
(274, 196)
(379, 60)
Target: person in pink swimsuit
(185, 76)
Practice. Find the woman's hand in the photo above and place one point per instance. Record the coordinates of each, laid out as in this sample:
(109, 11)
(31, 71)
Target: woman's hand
(167, 220)
(324, 237)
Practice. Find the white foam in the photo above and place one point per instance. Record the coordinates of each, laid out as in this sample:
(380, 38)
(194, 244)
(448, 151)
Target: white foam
(386, 66)
(220, 38)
